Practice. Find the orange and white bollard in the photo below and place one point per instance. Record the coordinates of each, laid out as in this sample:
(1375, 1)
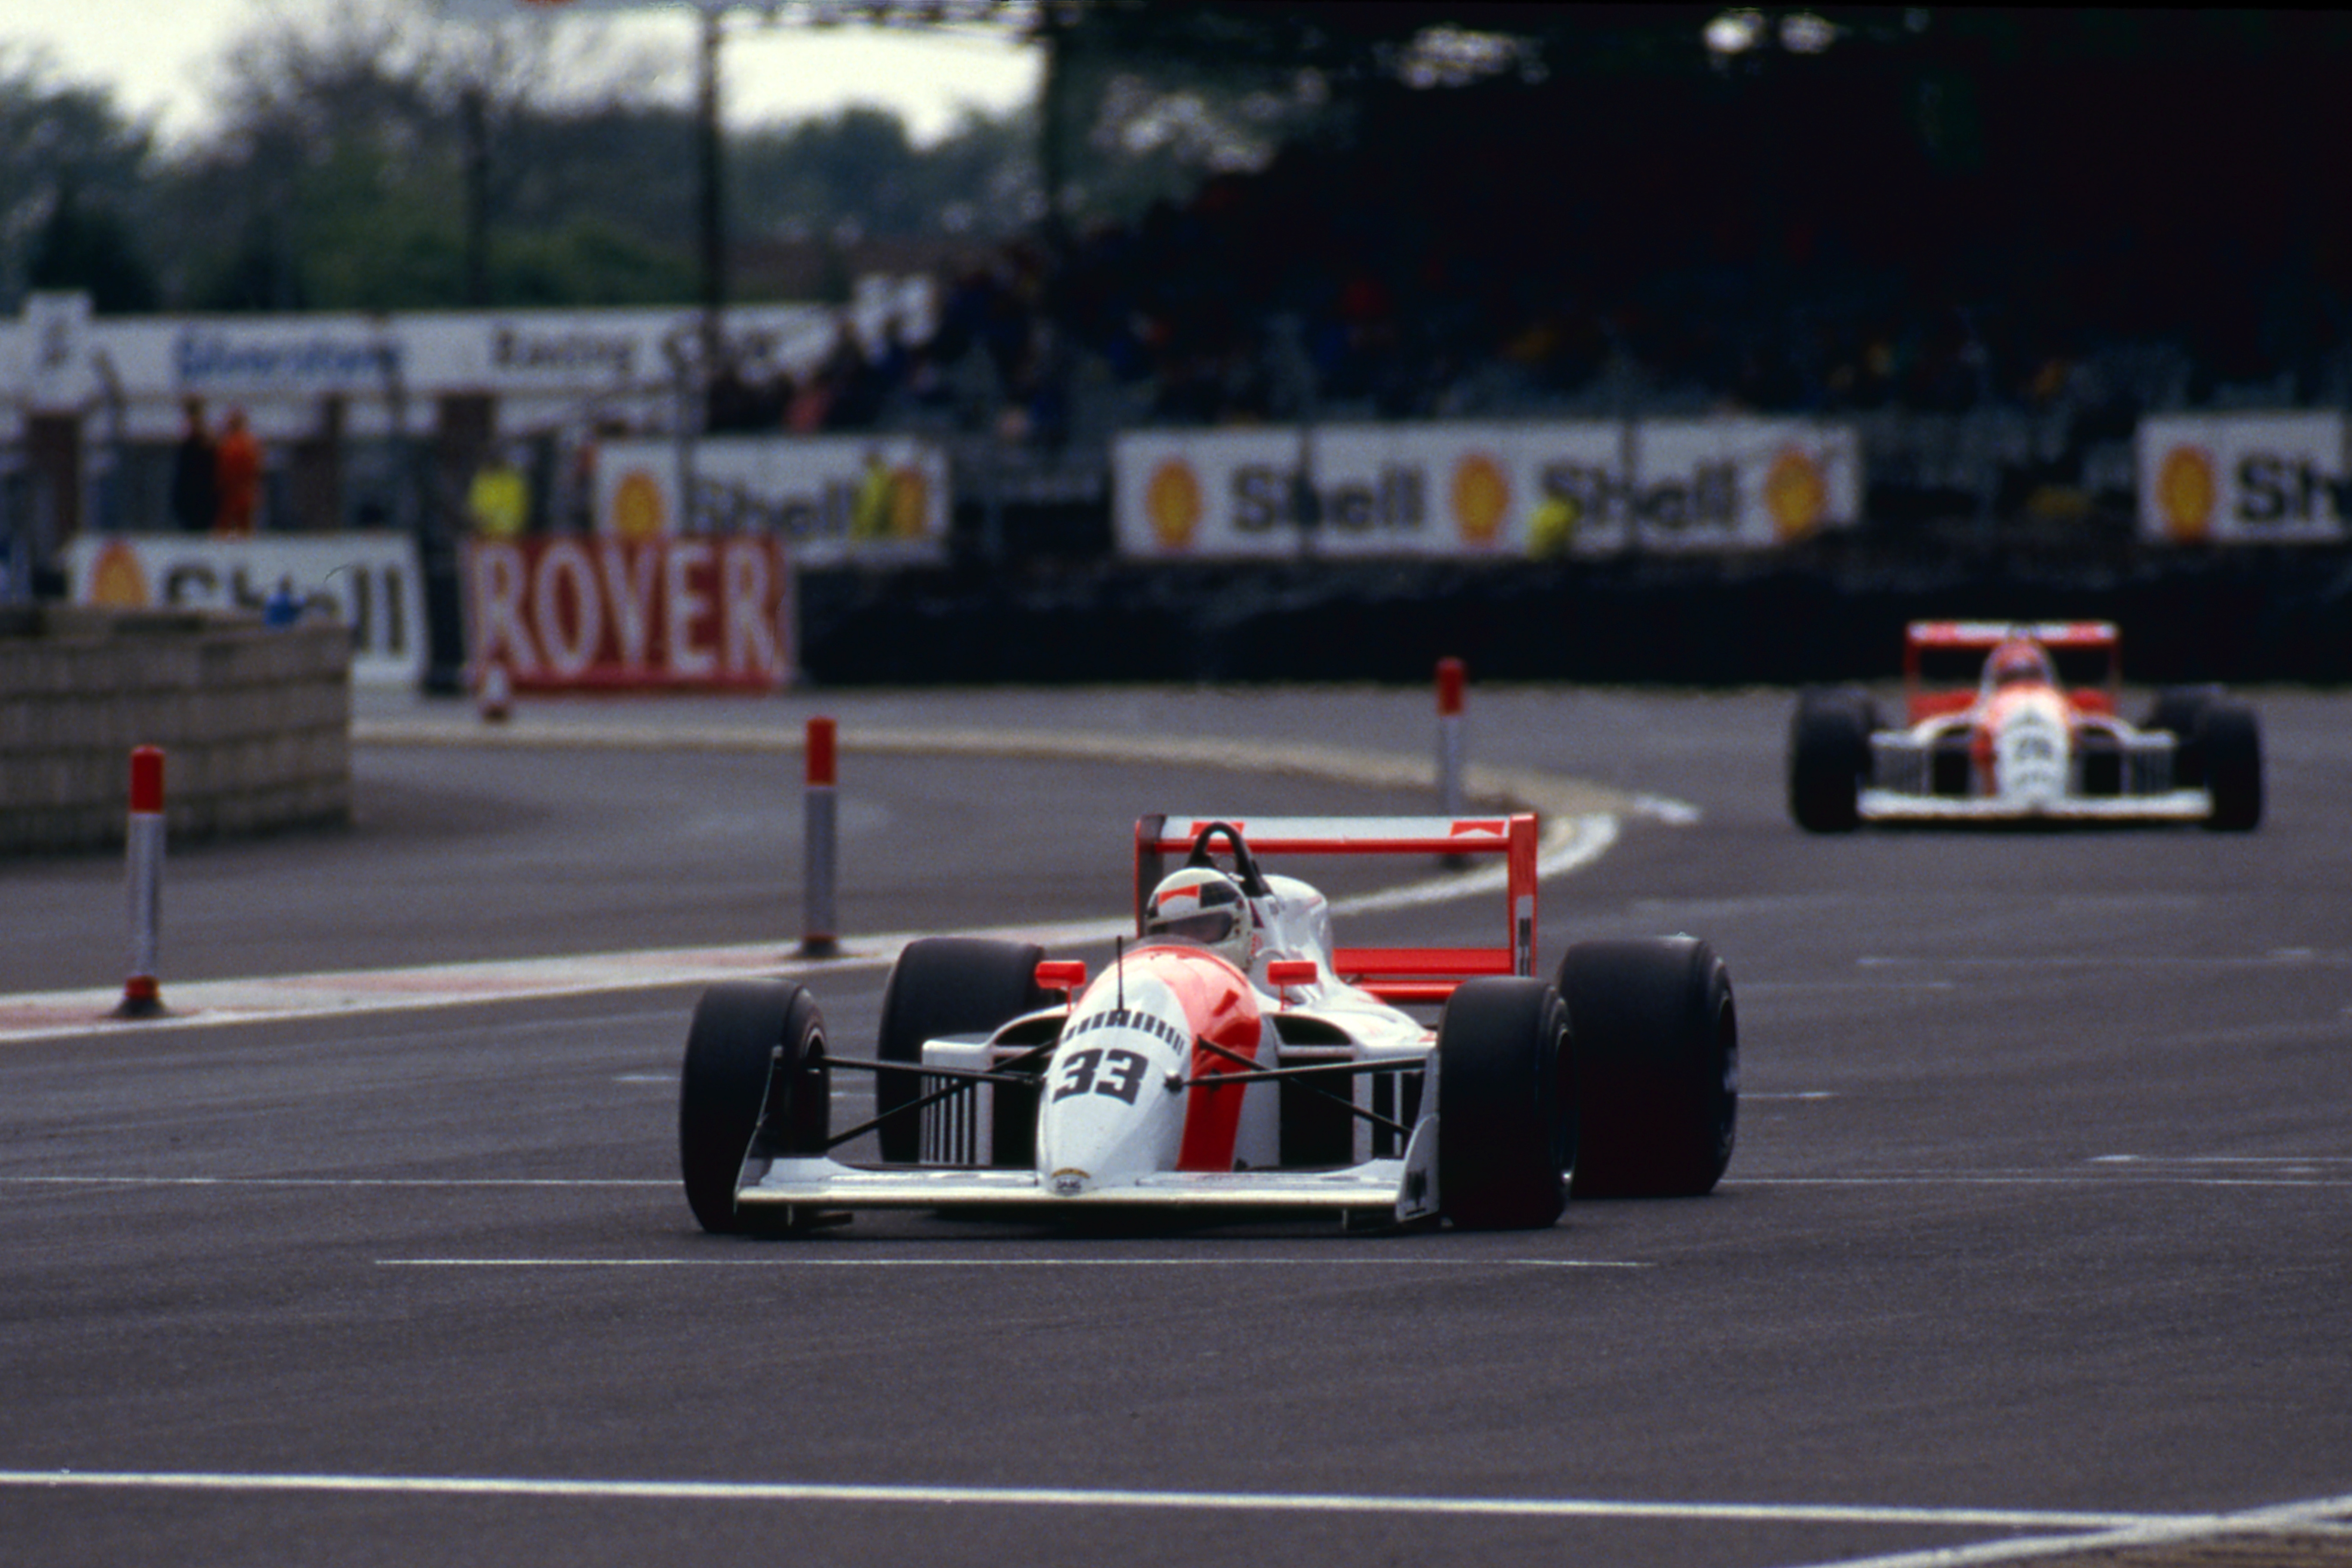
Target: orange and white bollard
(143, 997)
(494, 693)
(819, 939)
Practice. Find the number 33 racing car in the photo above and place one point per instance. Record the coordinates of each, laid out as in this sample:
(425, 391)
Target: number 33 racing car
(2018, 724)
(1232, 1061)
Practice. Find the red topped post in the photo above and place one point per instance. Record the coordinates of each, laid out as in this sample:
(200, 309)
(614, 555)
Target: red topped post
(818, 937)
(1451, 678)
(143, 997)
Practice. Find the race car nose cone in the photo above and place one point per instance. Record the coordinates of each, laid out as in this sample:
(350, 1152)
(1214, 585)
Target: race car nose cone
(1068, 1183)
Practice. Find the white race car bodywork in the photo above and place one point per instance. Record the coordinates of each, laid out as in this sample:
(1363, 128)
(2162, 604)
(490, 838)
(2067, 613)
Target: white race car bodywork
(1127, 1111)
(2020, 754)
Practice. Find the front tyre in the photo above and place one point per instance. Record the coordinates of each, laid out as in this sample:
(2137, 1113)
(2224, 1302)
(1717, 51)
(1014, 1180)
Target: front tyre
(2233, 746)
(944, 985)
(1657, 1052)
(754, 1057)
(1829, 758)
(1506, 1112)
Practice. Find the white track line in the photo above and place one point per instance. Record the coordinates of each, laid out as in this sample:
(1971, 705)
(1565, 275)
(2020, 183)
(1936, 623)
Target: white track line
(1579, 826)
(1074, 1262)
(2308, 1517)
(1120, 1498)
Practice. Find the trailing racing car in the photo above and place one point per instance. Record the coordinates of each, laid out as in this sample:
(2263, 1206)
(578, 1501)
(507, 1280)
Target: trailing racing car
(1233, 1060)
(2018, 724)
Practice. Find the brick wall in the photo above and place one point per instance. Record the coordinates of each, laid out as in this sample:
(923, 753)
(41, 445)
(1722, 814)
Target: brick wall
(255, 723)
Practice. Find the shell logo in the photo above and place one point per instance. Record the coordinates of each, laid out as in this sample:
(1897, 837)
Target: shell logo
(910, 500)
(1481, 495)
(1795, 493)
(2184, 493)
(116, 580)
(1172, 503)
(638, 513)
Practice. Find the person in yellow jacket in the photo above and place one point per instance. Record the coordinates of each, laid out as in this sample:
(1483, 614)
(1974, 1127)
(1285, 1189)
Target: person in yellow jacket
(1552, 532)
(497, 502)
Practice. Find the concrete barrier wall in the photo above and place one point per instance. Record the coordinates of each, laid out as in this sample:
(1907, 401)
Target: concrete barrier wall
(255, 723)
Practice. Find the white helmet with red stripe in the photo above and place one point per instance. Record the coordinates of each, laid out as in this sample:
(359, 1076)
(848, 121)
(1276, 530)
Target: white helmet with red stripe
(1203, 905)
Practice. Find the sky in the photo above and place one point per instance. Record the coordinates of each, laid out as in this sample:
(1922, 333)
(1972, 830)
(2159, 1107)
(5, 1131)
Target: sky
(158, 56)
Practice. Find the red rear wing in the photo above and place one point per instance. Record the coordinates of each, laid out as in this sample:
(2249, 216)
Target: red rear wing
(1942, 661)
(1395, 973)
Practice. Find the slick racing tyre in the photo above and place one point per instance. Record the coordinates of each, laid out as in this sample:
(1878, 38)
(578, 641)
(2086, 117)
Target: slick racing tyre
(2180, 711)
(754, 1064)
(944, 985)
(1658, 1053)
(1505, 1108)
(2232, 747)
(1829, 758)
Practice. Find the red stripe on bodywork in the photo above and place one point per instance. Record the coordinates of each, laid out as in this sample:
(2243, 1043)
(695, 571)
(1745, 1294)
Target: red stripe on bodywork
(1222, 1010)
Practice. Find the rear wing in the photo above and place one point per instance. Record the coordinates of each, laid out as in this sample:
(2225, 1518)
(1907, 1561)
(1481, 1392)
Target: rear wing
(1394, 973)
(1943, 660)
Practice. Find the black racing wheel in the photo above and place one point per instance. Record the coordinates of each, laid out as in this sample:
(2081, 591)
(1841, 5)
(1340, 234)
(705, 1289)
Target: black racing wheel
(1657, 1052)
(754, 1065)
(1506, 1112)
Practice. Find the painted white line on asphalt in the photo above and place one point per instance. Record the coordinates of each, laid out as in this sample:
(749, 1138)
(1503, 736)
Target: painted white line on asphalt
(2298, 958)
(331, 1182)
(2289, 1520)
(1227, 1262)
(1581, 822)
(1980, 1179)
(1105, 1498)
(1568, 842)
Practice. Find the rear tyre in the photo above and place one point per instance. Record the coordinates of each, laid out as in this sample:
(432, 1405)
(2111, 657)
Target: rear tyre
(944, 985)
(1506, 1110)
(2233, 746)
(1829, 758)
(1657, 1052)
(754, 1065)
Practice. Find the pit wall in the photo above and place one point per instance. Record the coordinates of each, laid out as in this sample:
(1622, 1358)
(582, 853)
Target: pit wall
(255, 724)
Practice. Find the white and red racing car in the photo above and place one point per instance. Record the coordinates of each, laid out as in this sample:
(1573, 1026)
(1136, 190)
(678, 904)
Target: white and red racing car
(2018, 724)
(1232, 1061)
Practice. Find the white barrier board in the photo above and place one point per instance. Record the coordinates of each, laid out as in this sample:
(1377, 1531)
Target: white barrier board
(370, 582)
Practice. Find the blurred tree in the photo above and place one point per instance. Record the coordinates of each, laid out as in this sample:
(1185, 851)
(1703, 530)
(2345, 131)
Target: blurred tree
(89, 247)
(59, 140)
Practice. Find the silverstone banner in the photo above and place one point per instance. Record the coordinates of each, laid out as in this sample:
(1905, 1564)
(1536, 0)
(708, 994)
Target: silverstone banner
(1500, 491)
(567, 613)
(369, 581)
(2245, 478)
(835, 498)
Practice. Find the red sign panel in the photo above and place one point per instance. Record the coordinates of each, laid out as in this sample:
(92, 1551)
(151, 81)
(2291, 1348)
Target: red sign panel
(575, 614)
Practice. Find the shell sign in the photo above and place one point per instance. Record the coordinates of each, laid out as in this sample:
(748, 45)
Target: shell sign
(2251, 478)
(116, 580)
(2184, 494)
(1172, 502)
(1481, 497)
(1795, 494)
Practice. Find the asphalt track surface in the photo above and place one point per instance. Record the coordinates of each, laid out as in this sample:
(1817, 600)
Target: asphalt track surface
(2034, 1244)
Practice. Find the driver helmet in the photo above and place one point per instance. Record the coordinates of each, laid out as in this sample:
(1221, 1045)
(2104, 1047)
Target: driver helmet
(2019, 662)
(1204, 906)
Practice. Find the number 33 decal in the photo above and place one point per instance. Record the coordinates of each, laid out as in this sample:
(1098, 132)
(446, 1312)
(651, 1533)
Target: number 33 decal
(1116, 1073)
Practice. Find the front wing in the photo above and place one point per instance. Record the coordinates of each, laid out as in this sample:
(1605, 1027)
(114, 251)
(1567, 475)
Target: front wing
(1399, 1189)
(2171, 806)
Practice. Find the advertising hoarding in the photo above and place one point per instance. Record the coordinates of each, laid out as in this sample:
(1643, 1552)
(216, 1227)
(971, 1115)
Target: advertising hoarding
(370, 582)
(568, 613)
(1482, 490)
(881, 498)
(2245, 478)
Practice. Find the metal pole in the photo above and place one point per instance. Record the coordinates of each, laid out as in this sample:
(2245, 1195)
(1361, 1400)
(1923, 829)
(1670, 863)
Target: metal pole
(819, 939)
(141, 996)
(1451, 678)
